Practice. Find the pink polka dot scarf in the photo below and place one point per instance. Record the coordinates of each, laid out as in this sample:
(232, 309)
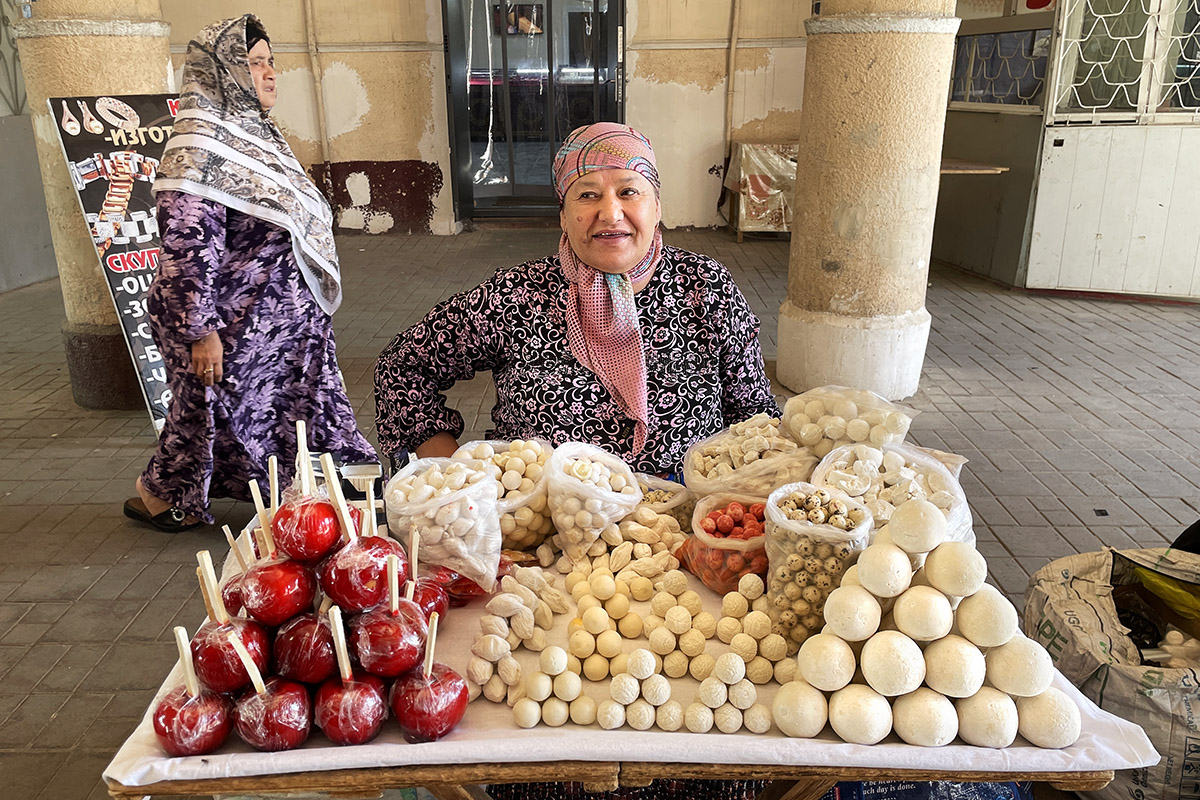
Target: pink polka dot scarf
(602, 324)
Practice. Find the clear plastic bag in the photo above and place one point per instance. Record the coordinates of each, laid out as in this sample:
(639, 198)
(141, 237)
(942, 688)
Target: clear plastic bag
(832, 416)
(452, 505)
(808, 558)
(524, 520)
(751, 457)
(279, 718)
(883, 479)
(718, 561)
(667, 497)
(582, 508)
(192, 725)
(306, 527)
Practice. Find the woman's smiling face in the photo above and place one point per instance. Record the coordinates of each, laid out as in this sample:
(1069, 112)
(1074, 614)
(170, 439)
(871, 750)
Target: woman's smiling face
(610, 216)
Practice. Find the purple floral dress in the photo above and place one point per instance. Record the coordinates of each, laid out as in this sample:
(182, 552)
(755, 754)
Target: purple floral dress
(703, 363)
(221, 270)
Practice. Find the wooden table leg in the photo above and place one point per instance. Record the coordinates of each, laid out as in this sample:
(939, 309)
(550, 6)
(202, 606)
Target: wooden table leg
(804, 789)
(447, 791)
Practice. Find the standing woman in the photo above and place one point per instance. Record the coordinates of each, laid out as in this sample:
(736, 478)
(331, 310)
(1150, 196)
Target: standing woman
(247, 279)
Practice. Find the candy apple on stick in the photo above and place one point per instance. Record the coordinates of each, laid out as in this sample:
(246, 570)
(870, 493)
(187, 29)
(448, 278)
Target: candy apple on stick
(390, 639)
(305, 527)
(425, 592)
(350, 707)
(191, 720)
(273, 715)
(303, 649)
(274, 591)
(217, 663)
(231, 590)
(429, 702)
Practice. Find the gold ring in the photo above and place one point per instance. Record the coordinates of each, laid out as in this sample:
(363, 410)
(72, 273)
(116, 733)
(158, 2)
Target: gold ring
(210, 369)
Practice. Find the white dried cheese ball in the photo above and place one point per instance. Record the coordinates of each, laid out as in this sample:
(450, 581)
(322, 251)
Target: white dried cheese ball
(675, 664)
(595, 620)
(924, 718)
(759, 670)
(692, 602)
(987, 718)
(728, 719)
(954, 667)
(785, 671)
(734, 604)
(553, 660)
(744, 645)
(757, 718)
(698, 718)
(884, 570)
(1021, 667)
(662, 602)
(761, 603)
(850, 576)
(826, 662)
(610, 715)
(669, 716)
(742, 694)
(756, 624)
(1049, 719)
(923, 613)
(675, 582)
(661, 640)
(859, 715)
(656, 690)
(712, 692)
(750, 586)
(955, 568)
(567, 686)
(608, 644)
(706, 623)
(624, 688)
(585, 604)
(678, 620)
(702, 666)
(987, 618)
(641, 664)
(583, 710)
(772, 647)
(799, 710)
(639, 715)
(729, 668)
(630, 625)
(917, 526)
(555, 712)
(595, 667)
(852, 613)
(538, 686)
(603, 585)
(891, 663)
(727, 628)
(527, 713)
(691, 643)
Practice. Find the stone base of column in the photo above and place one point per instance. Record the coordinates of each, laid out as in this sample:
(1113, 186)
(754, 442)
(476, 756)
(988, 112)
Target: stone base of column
(102, 376)
(882, 354)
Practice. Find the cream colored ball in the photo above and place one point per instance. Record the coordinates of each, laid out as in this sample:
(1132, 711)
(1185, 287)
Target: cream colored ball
(727, 628)
(884, 570)
(639, 715)
(677, 620)
(630, 625)
(892, 663)
(772, 647)
(617, 606)
(987, 618)
(750, 586)
(757, 718)
(555, 712)
(641, 664)
(712, 692)
(727, 719)
(610, 714)
(583, 710)
(956, 568)
(661, 641)
(1021, 667)
(538, 686)
(656, 690)
(785, 671)
(567, 686)
(675, 664)
(553, 660)
(706, 623)
(734, 604)
(669, 716)
(924, 718)
(624, 689)
(595, 667)
(692, 602)
(852, 613)
(744, 645)
(618, 663)
(756, 624)
(917, 526)
(595, 620)
(923, 613)
(527, 713)
(692, 643)
(1049, 719)
(702, 666)
(859, 715)
(826, 662)
(743, 694)
(799, 709)
(698, 718)
(954, 667)
(608, 643)
(759, 670)
(987, 718)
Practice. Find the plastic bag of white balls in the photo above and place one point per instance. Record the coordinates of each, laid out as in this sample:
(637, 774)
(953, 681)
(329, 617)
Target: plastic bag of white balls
(720, 560)
(519, 468)
(750, 457)
(667, 497)
(452, 505)
(588, 490)
(884, 479)
(832, 416)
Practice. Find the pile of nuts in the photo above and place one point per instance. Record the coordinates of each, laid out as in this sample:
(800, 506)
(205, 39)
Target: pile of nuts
(518, 470)
(823, 420)
(884, 480)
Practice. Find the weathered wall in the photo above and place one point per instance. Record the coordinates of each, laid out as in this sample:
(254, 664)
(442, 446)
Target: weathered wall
(383, 80)
(26, 252)
(677, 62)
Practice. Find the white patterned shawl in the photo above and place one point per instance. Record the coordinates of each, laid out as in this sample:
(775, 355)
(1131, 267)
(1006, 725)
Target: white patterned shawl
(225, 148)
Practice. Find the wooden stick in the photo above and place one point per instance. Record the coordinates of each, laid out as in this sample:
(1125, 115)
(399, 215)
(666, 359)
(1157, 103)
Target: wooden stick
(429, 643)
(256, 678)
(336, 497)
(208, 606)
(273, 482)
(410, 588)
(190, 681)
(393, 579)
(414, 541)
(371, 523)
(237, 551)
(304, 460)
(214, 591)
(264, 519)
(339, 643)
(326, 604)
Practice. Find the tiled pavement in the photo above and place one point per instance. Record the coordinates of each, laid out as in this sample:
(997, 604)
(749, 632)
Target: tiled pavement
(1079, 418)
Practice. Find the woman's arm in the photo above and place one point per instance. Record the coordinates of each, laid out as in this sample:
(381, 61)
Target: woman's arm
(745, 388)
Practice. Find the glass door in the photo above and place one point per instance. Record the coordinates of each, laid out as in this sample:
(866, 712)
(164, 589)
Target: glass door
(522, 76)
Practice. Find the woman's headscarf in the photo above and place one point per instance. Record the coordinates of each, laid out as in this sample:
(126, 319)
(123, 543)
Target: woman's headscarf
(602, 323)
(225, 148)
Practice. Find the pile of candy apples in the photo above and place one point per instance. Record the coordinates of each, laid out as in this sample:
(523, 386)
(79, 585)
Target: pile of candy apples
(288, 662)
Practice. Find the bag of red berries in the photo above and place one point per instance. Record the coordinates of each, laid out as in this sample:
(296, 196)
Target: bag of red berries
(727, 540)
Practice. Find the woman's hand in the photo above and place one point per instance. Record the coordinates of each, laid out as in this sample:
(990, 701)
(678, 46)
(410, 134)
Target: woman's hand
(207, 355)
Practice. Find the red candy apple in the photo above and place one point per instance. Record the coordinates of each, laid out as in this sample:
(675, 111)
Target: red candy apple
(355, 576)
(349, 707)
(278, 717)
(428, 703)
(303, 649)
(275, 591)
(190, 720)
(217, 664)
(388, 644)
(431, 597)
(231, 595)
(306, 529)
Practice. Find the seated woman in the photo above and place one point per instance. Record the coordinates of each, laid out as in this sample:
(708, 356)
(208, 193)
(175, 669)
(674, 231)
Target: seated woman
(617, 340)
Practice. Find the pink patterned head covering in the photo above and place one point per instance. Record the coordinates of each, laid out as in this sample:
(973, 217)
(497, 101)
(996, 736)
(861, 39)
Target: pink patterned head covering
(602, 324)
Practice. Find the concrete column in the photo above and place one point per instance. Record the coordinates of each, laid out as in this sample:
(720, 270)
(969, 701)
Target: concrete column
(88, 47)
(875, 87)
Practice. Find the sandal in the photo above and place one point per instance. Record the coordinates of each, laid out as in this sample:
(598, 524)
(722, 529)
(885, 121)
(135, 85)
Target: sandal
(172, 520)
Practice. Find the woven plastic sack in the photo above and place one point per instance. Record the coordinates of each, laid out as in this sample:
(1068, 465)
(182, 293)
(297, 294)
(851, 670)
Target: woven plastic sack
(524, 519)
(751, 457)
(720, 562)
(833, 416)
(458, 522)
(580, 508)
(677, 500)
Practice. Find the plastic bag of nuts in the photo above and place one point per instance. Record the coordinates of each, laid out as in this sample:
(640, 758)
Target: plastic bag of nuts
(750, 457)
(519, 469)
(812, 536)
(452, 504)
(588, 490)
(667, 497)
(720, 559)
(831, 416)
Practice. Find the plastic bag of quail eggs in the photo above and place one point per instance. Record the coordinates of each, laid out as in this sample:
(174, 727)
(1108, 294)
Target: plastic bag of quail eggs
(831, 416)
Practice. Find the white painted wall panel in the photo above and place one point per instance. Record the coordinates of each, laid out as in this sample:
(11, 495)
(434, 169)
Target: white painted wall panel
(1050, 210)
(1150, 209)
(1115, 229)
(1082, 225)
(1177, 274)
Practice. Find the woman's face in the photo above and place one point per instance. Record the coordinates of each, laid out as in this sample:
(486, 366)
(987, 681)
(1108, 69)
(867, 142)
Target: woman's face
(610, 216)
(262, 69)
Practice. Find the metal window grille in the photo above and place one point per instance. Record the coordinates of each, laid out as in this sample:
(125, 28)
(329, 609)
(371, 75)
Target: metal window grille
(12, 82)
(1002, 68)
(1180, 89)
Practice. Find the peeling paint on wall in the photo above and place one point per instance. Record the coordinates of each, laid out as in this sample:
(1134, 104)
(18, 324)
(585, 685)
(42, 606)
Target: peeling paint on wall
(380, 196)
(346, 101)
(296, 111)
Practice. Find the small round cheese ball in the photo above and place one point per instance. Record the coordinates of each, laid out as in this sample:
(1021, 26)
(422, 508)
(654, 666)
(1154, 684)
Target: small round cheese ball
(955, 568)
(859, 714)
(785, 671)
(826, 662)
(987, 618)
(675, 582)
(662, 641)
(608, 644)
(923, 613)
(987, 718)
(527, 713)
(742, 694)
(573, 578)
(1049, 719)
(630, 625)
(617, 606)
(698, 718)
(678, 620)
(692, 602)
(555, 712)
(650, 624)
(884, 570)
(656, 690)
(728, 719)
(891, 663)
(662, 602)
(624, 688)
(924, 718)
(610, 715)
(617, 664)
(702, 666)
(759, 670)
(954, 667)
(1021, 667)
(729, 668)
(757, 718)
(603, 585)
(917, 526)
(691, 643)
(799, 710)
(675, 664)
(595, 620)
(640, 715)
(641, 588)
(581, 590)
(641, 664)
(772, 647)
(727, 628)
(582, 644)
(587, 603)
(750, 586)
(669, 716)
(574, 664)
(553, 660)
(852, 613)
(734, 604)
(538, 686)
(744, 645)
(583, 710)
(757, 624)
(567, 686)
(706, 623)
(712, 692)
(595, 667)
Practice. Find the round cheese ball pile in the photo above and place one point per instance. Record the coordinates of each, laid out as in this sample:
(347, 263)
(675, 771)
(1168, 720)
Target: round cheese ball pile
(948, 661)
(678, 628)
(746, 444)
(883, 481)
(596, 635)
(640, 696)
(746, 627)
(587, 496)
(553, 694)
(728, 700)
(823, 419)
(518, 470)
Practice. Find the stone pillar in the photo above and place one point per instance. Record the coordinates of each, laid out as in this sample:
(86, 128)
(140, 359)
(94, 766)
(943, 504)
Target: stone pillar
(875, 86)
(88, 47)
